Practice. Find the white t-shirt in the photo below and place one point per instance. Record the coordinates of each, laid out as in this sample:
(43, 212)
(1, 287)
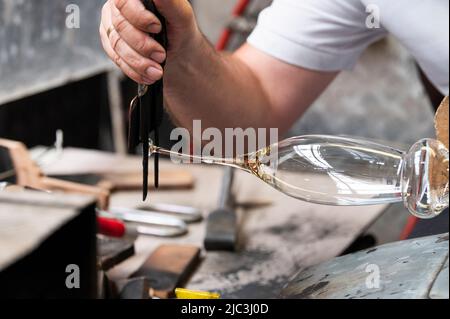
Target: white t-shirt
(330, 35)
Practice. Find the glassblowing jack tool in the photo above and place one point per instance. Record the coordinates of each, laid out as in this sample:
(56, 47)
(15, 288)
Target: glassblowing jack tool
(146, 111)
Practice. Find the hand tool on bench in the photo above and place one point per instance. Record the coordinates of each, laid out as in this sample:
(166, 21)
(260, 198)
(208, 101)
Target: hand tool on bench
(104, 169)
(129, 181)
(168, 268)
(112, 251)
(185, 294)
(112, 223)
(221, 225)
(162, 220)
(133, 288)
(146, 111)
(168, 179)
(120, 222)
(29, 175)
(186, 213)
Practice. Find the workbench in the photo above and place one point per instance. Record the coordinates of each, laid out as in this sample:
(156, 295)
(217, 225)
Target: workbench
(276, 241)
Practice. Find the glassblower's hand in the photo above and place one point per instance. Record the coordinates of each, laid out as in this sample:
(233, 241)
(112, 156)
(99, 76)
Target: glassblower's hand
(124, 30)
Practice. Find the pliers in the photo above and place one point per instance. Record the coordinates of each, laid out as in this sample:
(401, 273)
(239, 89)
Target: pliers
(147, 109)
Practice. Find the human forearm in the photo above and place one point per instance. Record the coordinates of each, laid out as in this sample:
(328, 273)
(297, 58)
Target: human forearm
(249, 89)
(217, 88)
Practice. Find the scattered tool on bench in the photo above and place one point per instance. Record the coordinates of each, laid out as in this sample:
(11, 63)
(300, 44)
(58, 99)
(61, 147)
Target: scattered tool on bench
(182, 293)
(29, 175)
(146, 111)
(168, 268)
(125, 222)
(133, 288)
(130, 181)
(186, 213)
(162, 221)
(108, 170)
(112, 252)
(221, 226)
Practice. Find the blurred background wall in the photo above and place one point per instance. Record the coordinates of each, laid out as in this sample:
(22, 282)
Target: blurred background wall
(40, 51)
(381, 98)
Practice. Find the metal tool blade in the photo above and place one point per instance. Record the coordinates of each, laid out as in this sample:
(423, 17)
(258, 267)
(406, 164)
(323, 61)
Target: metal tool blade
(144, 136)
(151, 117)
(185, 213)
(134, 120)
(222, 223)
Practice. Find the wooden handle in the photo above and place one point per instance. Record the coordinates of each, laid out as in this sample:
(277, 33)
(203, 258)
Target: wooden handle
(65, 186)
(176, 179)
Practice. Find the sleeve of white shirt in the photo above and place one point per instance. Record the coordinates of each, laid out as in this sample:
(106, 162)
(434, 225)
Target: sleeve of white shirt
(323, 35)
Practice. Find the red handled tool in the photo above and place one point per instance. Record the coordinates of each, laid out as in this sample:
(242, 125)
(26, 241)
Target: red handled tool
(121, 222)
(111, 227)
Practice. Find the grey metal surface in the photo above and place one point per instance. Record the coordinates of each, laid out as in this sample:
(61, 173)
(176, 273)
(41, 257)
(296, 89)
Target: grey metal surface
(401, 270)
(440, 286)
(38, 51)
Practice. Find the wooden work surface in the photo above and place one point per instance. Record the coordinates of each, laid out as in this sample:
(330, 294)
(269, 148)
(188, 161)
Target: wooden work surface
(22, 229)
(276, 241)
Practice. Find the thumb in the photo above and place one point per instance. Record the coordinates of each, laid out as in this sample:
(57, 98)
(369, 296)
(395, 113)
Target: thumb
(178, 13)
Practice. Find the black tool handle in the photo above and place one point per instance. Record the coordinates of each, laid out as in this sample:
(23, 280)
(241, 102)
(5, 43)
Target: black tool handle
(161, 37)
(155, 96)
(221, 225)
